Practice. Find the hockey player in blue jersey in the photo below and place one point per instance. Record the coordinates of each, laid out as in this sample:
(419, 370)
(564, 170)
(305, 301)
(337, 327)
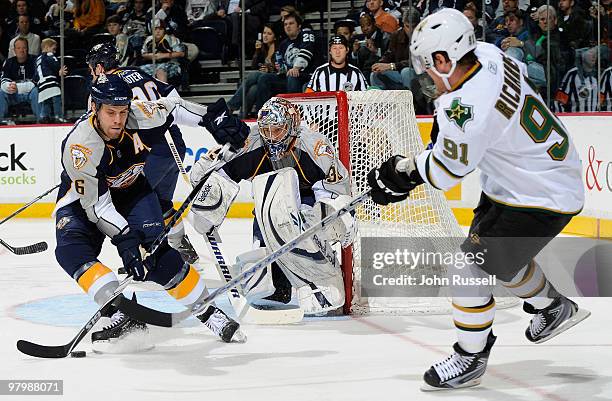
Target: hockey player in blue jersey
(103, 193)
(160, 168)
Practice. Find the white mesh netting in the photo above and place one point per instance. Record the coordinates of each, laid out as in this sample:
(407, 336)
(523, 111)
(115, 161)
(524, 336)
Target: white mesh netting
(378, 124)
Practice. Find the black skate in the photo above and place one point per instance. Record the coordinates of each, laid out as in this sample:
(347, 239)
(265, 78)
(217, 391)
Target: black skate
(121, 327)
(562, 314)
(187, 251)
(461, 369)
(222, 325)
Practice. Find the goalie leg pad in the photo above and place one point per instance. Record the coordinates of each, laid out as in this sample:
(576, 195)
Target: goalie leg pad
(277, 210)
(259, 285)
(210, 206)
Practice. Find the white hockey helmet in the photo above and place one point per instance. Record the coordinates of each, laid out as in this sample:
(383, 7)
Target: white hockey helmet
(447, 30)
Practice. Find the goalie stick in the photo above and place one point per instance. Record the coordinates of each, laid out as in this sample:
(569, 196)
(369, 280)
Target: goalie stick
(28, 249)
(165, 319)
(244, 311)
(116, 299)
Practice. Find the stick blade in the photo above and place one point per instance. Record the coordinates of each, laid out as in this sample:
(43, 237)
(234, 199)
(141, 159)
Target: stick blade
(42, 351)
(30, 249)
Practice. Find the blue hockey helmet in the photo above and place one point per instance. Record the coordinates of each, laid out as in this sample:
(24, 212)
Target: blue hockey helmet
(104, 54)
(111, 90)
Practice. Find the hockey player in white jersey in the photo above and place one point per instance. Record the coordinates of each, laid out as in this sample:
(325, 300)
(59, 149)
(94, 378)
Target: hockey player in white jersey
(296, 179)
(490, 117)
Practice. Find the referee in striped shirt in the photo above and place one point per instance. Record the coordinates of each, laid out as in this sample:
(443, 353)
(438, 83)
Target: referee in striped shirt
(338, 74)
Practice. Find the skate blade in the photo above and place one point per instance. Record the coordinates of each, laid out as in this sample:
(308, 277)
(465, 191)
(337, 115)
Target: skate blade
(135, 343)
(472, 383)
(239, 337)
(578, 317)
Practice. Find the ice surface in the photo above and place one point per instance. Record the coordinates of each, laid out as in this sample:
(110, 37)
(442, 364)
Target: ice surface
(361, 358)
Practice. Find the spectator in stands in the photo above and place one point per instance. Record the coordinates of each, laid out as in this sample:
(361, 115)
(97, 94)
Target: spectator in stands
(168, 52)
(296, 54)
(497, 28)
(255, 16)
(114, 27)
(21, 8)
(337, 74)
(385, 21)
(346, 28)
(24, 32)
(434, 5)
(52, 18)
(536, 49)
(573, 26)
(135, 25)
(174, 17)
(48, 74)
(200, 10)
(514, 43)
(369, 47)
(579, 91)
(394, 70)
(4, 43)
(471, 12)
(88, 16)
(263, 61)
(17, 81)
(279, 25)
(603, 11)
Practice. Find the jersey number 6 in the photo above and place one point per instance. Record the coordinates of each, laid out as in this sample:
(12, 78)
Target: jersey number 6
(79, 186)
(540, 129)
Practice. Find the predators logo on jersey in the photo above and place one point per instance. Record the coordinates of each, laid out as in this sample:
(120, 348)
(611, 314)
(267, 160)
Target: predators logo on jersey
(459, 113)
(79, 155)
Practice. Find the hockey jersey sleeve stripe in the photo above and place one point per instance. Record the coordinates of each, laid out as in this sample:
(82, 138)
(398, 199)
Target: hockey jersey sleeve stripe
(264, 157)
(428, 171)
(439, 163)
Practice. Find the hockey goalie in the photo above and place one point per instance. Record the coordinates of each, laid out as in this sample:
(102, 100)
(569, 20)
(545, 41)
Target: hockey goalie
(296, 181)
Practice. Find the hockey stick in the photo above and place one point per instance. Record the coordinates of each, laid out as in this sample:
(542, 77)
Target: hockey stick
(62, 351)
(116, 299)
(245, 312)
(172, 319)
(28, 249)
(30, 203)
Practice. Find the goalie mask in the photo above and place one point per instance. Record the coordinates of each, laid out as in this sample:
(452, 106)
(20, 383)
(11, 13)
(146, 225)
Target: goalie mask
(279, 125)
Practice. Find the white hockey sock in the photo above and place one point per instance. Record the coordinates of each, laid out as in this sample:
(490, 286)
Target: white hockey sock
(473, 318)
(531, 285)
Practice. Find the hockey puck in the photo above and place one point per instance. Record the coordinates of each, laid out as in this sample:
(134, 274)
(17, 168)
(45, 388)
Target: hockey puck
(122, 270)
(78, 354)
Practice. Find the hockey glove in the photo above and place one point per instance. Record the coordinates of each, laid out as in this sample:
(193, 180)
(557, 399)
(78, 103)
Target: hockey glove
(128, 247)
(390, 185)
(225, 127)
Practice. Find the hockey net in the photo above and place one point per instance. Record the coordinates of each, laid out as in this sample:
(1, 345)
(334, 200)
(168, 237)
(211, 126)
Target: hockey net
(368, 127)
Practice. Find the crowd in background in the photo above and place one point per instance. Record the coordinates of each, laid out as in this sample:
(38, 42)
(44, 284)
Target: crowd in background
(563, 43)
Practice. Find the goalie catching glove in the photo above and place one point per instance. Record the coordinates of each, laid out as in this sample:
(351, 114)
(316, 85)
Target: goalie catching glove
(210, 206)
(393, 180)
(225, 127)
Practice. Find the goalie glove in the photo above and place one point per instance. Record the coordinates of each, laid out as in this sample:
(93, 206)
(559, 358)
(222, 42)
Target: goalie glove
(343, 230)
(212, 203)
(225, 127)
(393, 180)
